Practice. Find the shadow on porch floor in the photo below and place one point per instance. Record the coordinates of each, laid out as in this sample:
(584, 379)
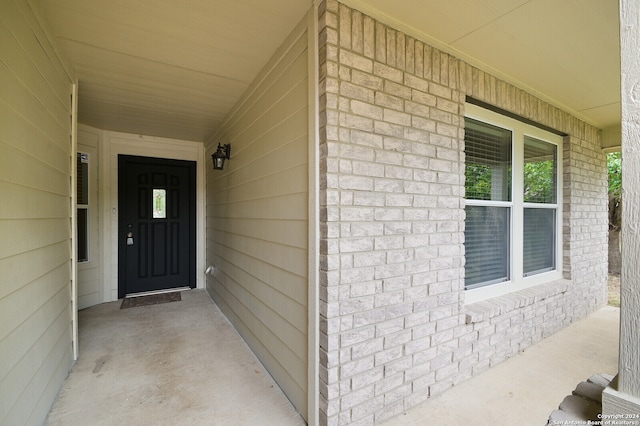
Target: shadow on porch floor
(178, 363)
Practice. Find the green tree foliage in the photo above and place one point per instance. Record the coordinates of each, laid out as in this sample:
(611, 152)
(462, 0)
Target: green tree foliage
(614, 166)
(539, 182)
(478, 181)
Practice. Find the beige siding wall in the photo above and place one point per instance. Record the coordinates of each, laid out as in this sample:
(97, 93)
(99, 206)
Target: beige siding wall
(35, 254)
(257, 218)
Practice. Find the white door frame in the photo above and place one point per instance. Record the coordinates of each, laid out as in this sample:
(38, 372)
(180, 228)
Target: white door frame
(115, 143)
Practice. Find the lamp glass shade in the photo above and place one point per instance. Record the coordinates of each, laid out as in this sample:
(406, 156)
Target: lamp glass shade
(218, 160)
(223, 152)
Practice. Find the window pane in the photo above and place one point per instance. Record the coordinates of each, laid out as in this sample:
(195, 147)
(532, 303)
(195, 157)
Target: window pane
(488, 161)
(159, 204)
(486, 245)
(83, 235)
(82, 178)
(539, 171)
(539, 241)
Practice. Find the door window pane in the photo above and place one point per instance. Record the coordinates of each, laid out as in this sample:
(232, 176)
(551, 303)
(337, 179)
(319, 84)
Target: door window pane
(488, 161)
(539, 241)
(159, 203)
(486, 245)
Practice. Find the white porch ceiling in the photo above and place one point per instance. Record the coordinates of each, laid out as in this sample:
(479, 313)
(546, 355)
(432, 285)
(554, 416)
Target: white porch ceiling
(175, 68)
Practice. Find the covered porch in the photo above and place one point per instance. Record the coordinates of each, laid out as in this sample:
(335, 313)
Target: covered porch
(147, 364)
(334, 239)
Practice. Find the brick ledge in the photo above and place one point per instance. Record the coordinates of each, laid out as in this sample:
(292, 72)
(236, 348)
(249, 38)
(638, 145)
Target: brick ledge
(489, 308)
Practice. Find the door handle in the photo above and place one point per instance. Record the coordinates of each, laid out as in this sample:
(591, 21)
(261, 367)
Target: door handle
(129, 238)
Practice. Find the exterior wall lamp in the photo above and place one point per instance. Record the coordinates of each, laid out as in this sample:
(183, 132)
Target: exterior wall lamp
(218, 157)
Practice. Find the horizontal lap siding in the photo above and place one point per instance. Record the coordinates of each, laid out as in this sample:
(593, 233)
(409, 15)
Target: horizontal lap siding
(35, 257)
(257, 219)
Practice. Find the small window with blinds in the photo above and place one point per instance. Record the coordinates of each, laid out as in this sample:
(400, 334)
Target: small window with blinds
(82, 206)
(511, 189)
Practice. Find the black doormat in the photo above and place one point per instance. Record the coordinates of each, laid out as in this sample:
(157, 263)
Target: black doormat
(152, 299)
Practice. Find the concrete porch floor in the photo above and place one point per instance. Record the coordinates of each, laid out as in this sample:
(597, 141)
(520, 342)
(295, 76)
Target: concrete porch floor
(178, 363)
(182, 363)
(526, 388)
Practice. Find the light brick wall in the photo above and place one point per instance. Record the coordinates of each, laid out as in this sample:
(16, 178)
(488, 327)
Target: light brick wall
(394, 327)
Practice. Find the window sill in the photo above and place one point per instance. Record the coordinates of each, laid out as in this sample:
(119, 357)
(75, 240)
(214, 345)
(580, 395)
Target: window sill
(489, 308)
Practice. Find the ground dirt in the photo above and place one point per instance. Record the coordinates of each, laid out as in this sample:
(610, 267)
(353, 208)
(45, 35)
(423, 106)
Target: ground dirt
(614, 290)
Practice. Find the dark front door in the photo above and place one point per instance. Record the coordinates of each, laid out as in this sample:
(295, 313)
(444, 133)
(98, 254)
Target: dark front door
(156, 224)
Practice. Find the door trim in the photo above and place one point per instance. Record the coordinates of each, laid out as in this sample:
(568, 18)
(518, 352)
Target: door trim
(313, 308)
(74, 220)
(115, 143)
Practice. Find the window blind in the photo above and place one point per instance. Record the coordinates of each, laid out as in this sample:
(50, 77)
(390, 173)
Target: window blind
(486, 245)
(82, 179)
(488, 171)
(539, 241)
(82, 200)
(488, 161)
(83, 235)
(540, 175)
(539, 229)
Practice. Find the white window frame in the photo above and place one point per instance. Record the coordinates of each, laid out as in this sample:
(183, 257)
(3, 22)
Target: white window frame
(517, 279)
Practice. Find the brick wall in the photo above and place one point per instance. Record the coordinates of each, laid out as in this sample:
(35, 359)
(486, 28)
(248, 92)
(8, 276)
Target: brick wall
(394, 326)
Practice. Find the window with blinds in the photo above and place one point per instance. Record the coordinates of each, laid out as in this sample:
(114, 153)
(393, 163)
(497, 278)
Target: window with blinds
(82, 203)
(511, 191)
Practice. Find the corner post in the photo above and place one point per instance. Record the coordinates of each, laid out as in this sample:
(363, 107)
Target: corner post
(622, 398)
